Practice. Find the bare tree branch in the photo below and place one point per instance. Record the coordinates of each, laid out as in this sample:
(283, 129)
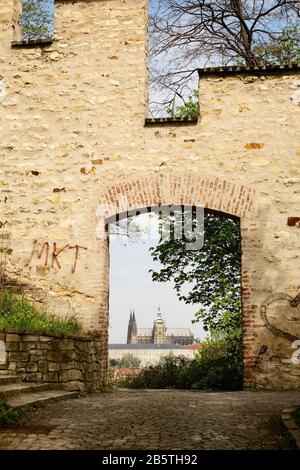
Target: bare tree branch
(188, 34)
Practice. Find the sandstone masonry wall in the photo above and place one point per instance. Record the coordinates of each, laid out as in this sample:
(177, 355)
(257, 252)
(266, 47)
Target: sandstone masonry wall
(74, 146)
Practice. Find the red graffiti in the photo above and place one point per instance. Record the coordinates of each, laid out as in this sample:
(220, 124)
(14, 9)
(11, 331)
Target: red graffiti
(77, 248)
(39, 253)
(55, 253)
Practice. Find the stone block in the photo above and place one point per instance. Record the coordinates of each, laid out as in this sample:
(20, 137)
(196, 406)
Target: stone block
(43, 366)
(46, 339)
(31, 367)
(91, 367)
(74, 386)
(13, 338)
(52, 366)
(55, 356)
(17, 356)
(36, 355)
(68, 365)
(34, 377)
(68, 356)
(12, 347)
(66, 344)
(27, 346)
(45, 346)
(50, 377)
(21, 368)
(69, 375)
(28, 338)
(82, 346)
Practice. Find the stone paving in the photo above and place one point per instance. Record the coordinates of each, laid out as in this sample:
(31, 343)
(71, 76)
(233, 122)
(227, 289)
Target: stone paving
(167, 420)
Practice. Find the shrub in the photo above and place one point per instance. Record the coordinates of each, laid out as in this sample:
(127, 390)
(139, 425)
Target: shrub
(218, 366)
(166, 374)
(128, 361)
(9, 416)
(16, 311)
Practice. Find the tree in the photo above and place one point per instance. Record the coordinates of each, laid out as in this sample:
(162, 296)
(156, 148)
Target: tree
(36, 20)
(193, 33)
(210, 276)
(190, 108)
(284, 50)
(128, 361)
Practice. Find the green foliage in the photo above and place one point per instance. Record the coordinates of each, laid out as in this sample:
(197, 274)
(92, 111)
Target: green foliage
(108, 387)
(221, 363)
(9, 416)
(128, 361)
(190, 109)
(113, 362)
(209, 276)
(283, 50)
(16, 311)
(36, 21)
(218, 366)
(165, 374)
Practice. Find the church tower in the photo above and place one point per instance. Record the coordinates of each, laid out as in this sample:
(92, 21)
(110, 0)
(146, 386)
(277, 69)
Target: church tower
(132, 328)
(129, 328)
(159, 329)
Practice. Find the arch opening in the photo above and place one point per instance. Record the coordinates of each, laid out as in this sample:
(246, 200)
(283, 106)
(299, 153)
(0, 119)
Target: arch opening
(137, 347)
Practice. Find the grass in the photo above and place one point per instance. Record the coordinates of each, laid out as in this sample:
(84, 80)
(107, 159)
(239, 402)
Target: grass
(16, 311)
(296, 416)
(9, 416)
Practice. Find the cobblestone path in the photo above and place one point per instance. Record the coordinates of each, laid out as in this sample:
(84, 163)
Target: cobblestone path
(167, 420)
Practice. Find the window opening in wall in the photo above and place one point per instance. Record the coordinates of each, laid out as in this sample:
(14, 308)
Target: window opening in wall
(37, 20)
(185, 35)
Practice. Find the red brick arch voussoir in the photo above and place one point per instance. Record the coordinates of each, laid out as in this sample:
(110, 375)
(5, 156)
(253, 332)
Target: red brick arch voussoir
(229, 197)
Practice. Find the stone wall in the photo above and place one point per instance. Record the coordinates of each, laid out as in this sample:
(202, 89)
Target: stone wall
(149, 356)
(74, 146)
(73, 362)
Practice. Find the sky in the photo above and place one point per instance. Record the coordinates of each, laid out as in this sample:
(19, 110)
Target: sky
(131, 287)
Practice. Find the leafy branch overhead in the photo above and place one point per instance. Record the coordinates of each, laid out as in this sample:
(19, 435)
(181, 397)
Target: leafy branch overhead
(189, 109)
(36, 20)
(209, 277)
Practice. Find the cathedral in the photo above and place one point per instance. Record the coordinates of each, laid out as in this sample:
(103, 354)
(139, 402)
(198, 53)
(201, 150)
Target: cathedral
(159, 334)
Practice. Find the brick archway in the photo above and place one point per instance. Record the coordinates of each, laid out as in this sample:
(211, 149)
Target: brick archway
(213, 193)
(187, 189)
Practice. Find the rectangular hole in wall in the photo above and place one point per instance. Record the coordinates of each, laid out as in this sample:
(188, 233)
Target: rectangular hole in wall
(173, 80)
(36, 20)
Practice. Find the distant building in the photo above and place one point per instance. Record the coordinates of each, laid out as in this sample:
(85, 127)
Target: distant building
(149, 353)
(158, 334)
(150, 345)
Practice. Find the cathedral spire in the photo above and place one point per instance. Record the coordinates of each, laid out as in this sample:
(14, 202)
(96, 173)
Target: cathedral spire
(159, 318)
(134, 325)
(129, 331)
